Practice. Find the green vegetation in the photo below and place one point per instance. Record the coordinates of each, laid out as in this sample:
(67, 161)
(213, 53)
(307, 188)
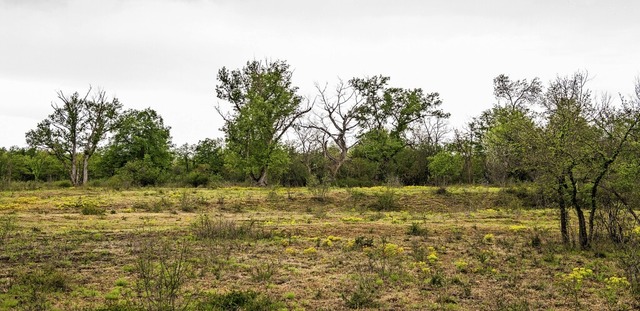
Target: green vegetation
(475, 248)
(160, 227)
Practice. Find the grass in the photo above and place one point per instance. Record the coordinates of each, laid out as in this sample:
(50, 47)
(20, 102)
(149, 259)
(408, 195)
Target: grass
(409, 249)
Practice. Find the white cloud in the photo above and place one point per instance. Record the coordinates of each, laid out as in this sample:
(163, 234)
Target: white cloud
(165, 54)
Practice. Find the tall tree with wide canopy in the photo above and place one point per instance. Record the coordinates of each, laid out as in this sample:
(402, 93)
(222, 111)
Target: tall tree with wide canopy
(264, 105)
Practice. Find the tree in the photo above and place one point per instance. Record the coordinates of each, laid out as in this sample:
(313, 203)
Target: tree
(446, 166)
(503, 130)
(336, 122)
(75, 129)
(386, 114)
(583, 141)
(209, 152)
(185, 156)
(264, 106)
(516, 95)
(144, 143)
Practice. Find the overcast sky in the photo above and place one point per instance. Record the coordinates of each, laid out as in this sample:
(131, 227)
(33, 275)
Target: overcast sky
(165, 54)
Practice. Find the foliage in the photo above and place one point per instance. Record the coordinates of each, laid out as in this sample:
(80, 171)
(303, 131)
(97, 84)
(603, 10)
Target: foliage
(386, 201)
(264, 106)
(363, 295)
(140, 149)
(74, 130)
(445, 166)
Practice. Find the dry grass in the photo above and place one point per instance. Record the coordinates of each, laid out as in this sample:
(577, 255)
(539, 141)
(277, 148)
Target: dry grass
(309, 255)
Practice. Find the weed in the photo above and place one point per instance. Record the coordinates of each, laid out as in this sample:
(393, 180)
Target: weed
(488, 238)
(386, 201)
(362, 294)
(162, 271)
(416, 230)
(206, 228)
(572, 283)
(238, 300)
(363, 241)
(7, 225)
(263, 272)
(614, 287)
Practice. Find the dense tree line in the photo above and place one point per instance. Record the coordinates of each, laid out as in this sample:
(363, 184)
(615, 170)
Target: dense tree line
(576, 148)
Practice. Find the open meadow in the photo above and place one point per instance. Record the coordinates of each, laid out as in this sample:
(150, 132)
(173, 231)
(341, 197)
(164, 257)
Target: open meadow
(410, 248)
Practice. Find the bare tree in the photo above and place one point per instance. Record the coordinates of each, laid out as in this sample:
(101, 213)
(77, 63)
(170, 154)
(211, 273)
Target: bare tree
(309, 141)
(336, 122)
(431, 131)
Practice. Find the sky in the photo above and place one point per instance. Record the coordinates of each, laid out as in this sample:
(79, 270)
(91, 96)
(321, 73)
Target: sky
(165, 54)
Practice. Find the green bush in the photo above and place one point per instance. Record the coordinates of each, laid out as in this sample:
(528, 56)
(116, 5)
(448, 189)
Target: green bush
(197, 179)
(363, 294)
(386, 201)
(417, 230)
(239, 300)
(63, 184)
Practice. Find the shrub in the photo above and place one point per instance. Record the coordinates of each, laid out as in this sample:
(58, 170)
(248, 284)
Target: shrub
(363, 294)
(63, 184)
(197, 179)
(162, 270)
(206, 228)
(318, 189)
(416, 230)
(238, 300)
(386, 201)
(92, 209)
(441, 191)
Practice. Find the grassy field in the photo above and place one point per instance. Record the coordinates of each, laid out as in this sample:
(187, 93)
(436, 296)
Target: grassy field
(411, 248)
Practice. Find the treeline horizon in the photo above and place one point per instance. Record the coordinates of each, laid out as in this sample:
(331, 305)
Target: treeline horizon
(361, 132)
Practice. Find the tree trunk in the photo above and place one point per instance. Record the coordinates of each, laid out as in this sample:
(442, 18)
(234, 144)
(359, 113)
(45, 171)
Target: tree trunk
(74, 170)
(582, 229)
(582, 224)
(85, 170)
(262, 180)
(564, 215)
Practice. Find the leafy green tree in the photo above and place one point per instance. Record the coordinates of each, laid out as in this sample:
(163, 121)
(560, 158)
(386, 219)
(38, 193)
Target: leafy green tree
(385, 116)
(502, 131)
(583, 141)
(184, 156)
(13, 164)
(210, 152)
(506, 144)
(142, 139)
(264, 105)
(40, 163)
(75, 129)
(446, 166)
